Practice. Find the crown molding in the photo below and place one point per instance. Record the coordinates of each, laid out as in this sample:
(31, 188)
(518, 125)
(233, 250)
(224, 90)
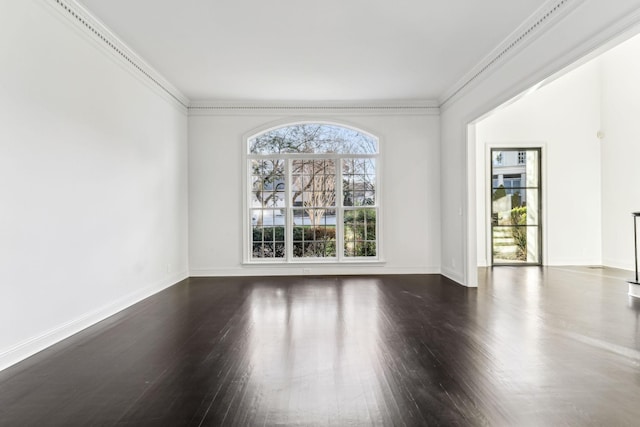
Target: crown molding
(94, 29)
(539, 22)
(206, 108)
(533, 27)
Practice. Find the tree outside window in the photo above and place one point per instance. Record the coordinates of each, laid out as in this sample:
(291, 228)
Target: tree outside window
(313, 194)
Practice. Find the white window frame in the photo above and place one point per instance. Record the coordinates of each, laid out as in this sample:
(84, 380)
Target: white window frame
(340, 257)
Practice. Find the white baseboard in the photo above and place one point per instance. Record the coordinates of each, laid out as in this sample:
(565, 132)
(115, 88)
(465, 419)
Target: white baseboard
(634, 290)
(575, 262)
(258, 270)
(456, 276)
(58, 333)
(614, 263)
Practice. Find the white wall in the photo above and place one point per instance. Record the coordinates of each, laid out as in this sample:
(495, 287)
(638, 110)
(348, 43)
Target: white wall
(93, 183)
(410, 192)
(577, 34)
(620, 152)
(563, 117)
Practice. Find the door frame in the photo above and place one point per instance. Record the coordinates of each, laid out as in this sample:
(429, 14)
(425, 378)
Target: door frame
(516, 146)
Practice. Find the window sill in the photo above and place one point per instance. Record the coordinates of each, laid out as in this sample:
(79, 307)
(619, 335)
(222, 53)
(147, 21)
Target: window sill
(315, 263)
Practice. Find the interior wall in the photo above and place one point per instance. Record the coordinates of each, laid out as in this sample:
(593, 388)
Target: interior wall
(409, 146)
(586, 28)
(564, 118)
(94, 183)
(620, 152)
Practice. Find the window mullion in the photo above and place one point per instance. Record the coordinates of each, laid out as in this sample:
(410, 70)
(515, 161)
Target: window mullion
(288, 226)
(248, 253)
(339, 211)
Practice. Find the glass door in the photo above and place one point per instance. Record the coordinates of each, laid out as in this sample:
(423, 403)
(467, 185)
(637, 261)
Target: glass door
(516, 237)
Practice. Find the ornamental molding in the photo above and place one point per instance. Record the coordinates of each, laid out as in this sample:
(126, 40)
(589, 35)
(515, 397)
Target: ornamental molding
(532, 28)
(328, 107)
(547, 15)
(93, 29)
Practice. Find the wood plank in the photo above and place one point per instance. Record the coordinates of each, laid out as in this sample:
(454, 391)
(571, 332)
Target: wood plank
(531, 346)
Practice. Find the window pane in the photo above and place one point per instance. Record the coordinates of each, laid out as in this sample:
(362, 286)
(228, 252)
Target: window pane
(267, 233)
(504, 206)
(359, 182)
(360, 232)
(516, 244)
(268, 250)
(497, 158)
(314, 233)
(532, 169)
(316, 138)
(268, 183)
(313, 183)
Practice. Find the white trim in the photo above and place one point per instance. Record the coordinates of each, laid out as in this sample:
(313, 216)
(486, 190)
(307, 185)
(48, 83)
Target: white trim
(574, 262)
(624, 28)
(288, 259)
(317, 108)
(58, 333)
(469, 227)
(536, 25)
(455, 276)
(306, 262)
(340, 211)
(305, 270)
(309, 156)
(245, 254)
(615, 263)
(93, 29)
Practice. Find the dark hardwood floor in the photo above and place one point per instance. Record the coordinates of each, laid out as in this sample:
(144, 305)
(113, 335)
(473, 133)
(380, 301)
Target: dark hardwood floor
(531, 346)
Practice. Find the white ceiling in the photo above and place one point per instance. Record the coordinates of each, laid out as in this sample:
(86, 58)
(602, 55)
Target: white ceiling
(340, 50)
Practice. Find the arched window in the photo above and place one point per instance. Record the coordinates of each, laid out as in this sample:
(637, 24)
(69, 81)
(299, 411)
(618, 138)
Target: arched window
(312, 194)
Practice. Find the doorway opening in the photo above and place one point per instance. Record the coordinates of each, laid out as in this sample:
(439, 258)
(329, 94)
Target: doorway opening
(516, 210)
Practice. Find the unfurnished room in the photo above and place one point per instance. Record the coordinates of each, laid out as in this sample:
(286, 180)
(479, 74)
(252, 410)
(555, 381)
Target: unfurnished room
(302, 213)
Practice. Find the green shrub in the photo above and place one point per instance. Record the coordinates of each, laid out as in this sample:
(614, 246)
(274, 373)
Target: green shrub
(307, 241)
(360, 215)
(268, 234)
(499, 193)
(519, 218)
(308, 233)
